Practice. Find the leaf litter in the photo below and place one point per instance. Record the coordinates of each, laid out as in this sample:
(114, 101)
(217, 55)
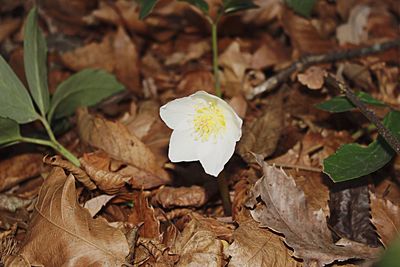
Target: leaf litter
(170, 214)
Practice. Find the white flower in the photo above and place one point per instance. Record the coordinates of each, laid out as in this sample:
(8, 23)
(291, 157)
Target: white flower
(205, 128)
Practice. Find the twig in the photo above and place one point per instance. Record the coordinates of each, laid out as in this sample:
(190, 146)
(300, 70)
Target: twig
(307, 61)
(369, 114)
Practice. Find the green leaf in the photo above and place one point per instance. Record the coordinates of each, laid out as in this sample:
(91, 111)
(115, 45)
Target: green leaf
(352, 160)
(342, 104)
(200, 4)
(15, 101)
(85, 88)
(391, 257)
(35, 58)
(146, 6)
(302, 7)
(231, 6)
(9, 131)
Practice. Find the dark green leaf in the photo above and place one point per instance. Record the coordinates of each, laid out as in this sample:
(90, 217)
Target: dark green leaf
(391, 256)
(35, 58)
(302, 7)
(9, 131)
(342, 104)
(231, 6)
(85, 88)
(200, 4)
(146, 6)
(15, 101)
(352, 160)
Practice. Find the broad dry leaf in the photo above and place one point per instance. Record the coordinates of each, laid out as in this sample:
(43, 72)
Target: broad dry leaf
(61, 225)
(313, 77)
(8, 26)
(95, 204)
(262, 135)
(386, 218)
(284, 209)
(267, 11)
(19, 168)
(115, 139)
(354, 31)
(254, 246)
(198, 246)
(221, 230)
(169, 197)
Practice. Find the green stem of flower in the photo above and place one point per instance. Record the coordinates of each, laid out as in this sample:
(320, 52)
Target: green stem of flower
(224, 192)
(214, 37)
(56, 145)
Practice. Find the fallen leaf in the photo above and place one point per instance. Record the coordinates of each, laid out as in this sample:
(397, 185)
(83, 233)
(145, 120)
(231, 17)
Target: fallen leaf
(267, 11)
(386, 219)
(221, 230)
(285, 210)
(313, 77)
(168, 197)
(239, 105)
(194, 81)
(8, 26)
(253, 246)
(95, 204)
(69, 228)
(12, 203)
(354, 31)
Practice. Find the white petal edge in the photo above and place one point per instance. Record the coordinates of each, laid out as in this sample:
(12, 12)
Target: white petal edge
(177, 111)
(182, 146)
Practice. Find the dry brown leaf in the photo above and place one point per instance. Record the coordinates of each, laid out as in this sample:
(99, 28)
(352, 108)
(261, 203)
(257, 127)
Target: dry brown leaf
(143, 215)
(194, 81)
(198, 246)
(386, 218)
(169, 197)
(354, 31)
(239, 105)
(284, 209)
(313, 77)
(95, 204)
(115, 139)
(19, 168)
(8, 26)
(221, 230)
(271, 52)
(69, 228)
(262, 135)
(267, 11)
(258, 247)
(116, 53)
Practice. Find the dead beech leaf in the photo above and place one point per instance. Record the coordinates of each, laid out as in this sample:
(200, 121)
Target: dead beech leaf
(354, 31)
(253, 246)
(262, 135)
(221, 230)
(168, 197)
(143, 215)
(115, 139)
(69, 228)
(8, 26)
(198, 246)
(284, 209)
(386, 218)
(19, 168)
(239, 105)
(116, 53)
(95, 204)
(313, 77)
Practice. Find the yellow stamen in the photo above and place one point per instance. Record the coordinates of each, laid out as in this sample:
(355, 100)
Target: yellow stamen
(208, 121)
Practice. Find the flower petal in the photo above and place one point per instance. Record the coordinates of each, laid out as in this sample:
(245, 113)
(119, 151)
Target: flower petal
(182, 146)
(177, 112)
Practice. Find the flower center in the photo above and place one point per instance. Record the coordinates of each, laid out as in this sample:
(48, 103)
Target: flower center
(209, 120)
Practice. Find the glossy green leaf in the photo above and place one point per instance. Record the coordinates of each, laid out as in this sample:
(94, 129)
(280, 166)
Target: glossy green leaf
(15, 101)
(352, 160)
(9, 131)
(35, 58)
(146, 6)
(85, 88)
(231, 6)
(200, 4)
(391, 257)
(302, 7)
(342, 104)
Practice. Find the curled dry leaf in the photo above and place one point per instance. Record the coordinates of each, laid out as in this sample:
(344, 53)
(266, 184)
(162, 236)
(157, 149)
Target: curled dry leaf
(386, 218)
(19, 168)
(69, 228)
(258, 247)
(313, 77)
(95, 204)
(115, 139)
(221, 230)
(169, 197)
(262, 135)
(284, 209)
(78, 173)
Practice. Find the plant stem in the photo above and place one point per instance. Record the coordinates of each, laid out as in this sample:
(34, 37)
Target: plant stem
(214, 37)
(56, 145)
(224, 192)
